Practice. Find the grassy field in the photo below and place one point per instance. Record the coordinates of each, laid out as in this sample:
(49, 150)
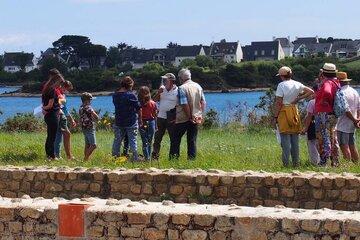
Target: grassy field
(353, 64)
(226, 149)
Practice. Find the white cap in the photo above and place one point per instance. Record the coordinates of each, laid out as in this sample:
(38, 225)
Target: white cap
(284, 71)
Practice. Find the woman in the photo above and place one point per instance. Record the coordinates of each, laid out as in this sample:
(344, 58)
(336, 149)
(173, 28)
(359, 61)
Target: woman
(286, 114)
(51, 108)
(127, 117)
(325, 119)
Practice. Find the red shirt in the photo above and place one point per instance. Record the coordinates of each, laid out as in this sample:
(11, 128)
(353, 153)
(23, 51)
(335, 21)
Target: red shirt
(324, 97)
(149, 110)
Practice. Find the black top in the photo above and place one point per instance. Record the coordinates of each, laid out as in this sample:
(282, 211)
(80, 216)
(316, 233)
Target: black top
(46, 98)
(311, 134)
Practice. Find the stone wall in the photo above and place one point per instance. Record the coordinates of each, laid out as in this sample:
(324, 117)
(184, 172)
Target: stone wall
(297, 190)
(124, 219)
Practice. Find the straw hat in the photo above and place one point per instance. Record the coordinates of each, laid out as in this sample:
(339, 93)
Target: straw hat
(329, 68)
(342, 76)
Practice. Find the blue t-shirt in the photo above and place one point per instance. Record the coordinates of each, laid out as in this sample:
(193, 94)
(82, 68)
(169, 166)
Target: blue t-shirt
(126, 109)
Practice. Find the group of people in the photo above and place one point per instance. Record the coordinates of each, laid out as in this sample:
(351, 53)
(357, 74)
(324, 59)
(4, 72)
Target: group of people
(177, 110)
(332, 116)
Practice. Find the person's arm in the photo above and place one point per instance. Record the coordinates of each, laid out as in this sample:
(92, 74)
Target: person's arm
(203, 102)
(307, 92)
(157, 96)
(307, 122)
(49, 105)
(94, 115)
(352, 118)
(140, 117)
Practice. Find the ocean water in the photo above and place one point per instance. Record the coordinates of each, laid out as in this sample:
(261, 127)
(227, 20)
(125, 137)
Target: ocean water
(226, 104)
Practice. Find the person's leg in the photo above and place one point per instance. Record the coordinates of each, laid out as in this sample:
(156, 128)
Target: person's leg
(117, 142)
(192, 132)
(91, 143)
(294, 140)
(67, 144)
(322, 135)
(52, 127)
(334, 153)
(132, 134)
(178, 131)
(150, 135)
(126, 145)
(353, 149)
(144, 140)
(343, 140)
(159, 134)
(313, 151)
(57, 144)
(285, 146)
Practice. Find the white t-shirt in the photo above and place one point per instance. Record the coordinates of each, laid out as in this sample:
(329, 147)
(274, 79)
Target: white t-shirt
(168, 101)
(311, 106)
(289, 90)
(344, 123)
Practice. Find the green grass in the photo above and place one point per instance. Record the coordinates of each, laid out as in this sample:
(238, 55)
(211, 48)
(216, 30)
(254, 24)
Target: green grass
(353, 64)
(226, 149)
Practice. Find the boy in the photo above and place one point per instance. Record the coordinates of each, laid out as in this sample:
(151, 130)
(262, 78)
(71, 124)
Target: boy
(87, 118)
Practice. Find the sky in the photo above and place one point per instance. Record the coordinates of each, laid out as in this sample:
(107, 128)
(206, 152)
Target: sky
(32, 25)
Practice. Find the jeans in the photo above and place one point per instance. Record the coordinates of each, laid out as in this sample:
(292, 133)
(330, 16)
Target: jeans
(290, 145)
(120, 133)
(180, 129)
(57, 144)
(162, 126)
(147, 134)
(52, 123)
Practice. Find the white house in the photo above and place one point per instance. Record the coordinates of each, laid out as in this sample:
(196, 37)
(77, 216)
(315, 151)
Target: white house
(229, 52)
(287, 45)
(15, 61)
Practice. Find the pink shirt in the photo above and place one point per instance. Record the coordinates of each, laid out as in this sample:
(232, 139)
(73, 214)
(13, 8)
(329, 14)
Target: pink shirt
(324, 97)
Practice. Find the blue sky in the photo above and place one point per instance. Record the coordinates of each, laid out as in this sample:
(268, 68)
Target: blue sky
(32, 25)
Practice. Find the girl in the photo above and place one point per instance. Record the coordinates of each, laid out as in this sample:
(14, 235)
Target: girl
(64, 116)
(149, 113)
(51, 109)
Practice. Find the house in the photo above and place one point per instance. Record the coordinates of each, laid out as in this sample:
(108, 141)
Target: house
(286, 44)
(188, 52)
(306, 40)
(320, 49)
(50, 53)
(266, 50)
(227, 51)
(346, 49)
(18, 61)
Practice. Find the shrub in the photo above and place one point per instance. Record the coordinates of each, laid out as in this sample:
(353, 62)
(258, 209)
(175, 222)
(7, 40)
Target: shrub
(211, 119)
(23, 122)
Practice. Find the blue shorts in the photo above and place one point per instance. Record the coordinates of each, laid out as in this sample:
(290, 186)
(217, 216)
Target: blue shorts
(345, 138)
(90, 138)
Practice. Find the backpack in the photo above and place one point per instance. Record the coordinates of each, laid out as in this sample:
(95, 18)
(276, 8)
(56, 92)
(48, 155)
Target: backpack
(341, 105)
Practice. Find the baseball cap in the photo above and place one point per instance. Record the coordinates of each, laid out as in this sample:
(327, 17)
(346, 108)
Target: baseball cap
(169, 76)
(283, 71)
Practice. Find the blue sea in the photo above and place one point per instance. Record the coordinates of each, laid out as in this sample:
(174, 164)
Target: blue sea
(226, 104)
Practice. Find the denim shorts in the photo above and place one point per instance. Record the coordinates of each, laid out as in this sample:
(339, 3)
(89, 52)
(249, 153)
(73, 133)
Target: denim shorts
(63, 123)
(345, 138)
(90, 138)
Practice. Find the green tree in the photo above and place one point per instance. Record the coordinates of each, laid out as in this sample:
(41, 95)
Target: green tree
(172, 45)
(186, 63)
(52, 62)
(92, 53)
(113, 57)
(1, 62)
(204, 61)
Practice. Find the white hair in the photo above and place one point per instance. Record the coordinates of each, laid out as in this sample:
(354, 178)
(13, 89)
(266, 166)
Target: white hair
(184, 74)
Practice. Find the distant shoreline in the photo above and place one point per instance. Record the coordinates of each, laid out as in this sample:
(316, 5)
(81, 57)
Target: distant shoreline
(108, 93)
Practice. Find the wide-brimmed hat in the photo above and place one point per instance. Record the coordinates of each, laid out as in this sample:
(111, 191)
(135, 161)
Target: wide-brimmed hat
(169, 76)
(284, 71)
(329, 68)
(342, 77)
(87, 96)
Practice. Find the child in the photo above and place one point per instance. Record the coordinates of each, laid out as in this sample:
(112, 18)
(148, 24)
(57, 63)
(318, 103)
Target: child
(309, 128)
(88, 117)
(64, 115)
(149, 112)
(127, 118)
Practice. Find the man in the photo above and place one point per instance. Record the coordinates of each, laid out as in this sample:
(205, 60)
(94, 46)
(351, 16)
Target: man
(188, 115)
(167, 96)
(347, 123)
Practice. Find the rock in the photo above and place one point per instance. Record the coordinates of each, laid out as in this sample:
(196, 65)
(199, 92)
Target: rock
(173, 234)
(205, 190)
(194, 235)
(223, 224)
(131, 232)
(204, 220)
(180, 219)
(310, 225)
(31, 213)
(138, 218)
(154, 234)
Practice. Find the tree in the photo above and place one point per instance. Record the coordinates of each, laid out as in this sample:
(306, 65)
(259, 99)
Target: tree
(187, 63)
(172, 45)
(92, 53)
(113, 57)
(204, 61)
(122, 46)
(68, 46)
(52, 62)
(1, 62)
